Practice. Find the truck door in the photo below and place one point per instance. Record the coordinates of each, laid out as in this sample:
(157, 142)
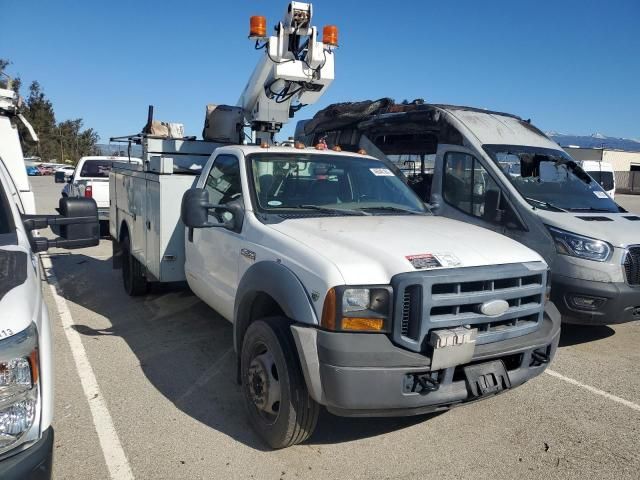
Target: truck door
(214, 254)
(464, 189)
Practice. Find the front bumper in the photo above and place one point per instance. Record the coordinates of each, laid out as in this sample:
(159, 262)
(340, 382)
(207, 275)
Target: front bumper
(618, 302)
(365, 374)
(34, 463)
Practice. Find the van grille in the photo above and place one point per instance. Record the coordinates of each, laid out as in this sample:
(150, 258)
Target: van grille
(435, 299)
(632, 266)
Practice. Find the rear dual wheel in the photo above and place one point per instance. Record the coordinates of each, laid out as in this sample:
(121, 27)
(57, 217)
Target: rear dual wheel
(133, 279)
(278, 402)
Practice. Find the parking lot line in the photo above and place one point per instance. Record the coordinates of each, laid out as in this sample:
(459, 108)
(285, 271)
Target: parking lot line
(626, 403)
(114, 456)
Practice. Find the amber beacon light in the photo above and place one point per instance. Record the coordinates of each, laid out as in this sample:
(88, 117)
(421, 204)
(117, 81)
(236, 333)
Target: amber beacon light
(258, 26)
(330, 35)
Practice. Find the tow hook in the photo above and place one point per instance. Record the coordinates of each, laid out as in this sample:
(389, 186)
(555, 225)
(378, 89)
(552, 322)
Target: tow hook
(422, 383)
(539, 357)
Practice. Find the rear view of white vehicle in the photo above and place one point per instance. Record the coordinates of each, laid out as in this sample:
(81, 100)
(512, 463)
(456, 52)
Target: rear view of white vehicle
(90, 179)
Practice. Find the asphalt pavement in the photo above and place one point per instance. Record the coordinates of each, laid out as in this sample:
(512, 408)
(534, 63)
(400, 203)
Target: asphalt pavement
(164, 397)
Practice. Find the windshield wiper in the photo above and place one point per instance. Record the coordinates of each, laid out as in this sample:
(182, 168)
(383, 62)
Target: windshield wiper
(333, 210)
(550, 206)
(590, 209)
(393, 209)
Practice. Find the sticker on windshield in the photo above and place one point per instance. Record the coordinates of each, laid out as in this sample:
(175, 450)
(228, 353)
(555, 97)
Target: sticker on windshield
(381, 172)
(274, 203)
(424, 260)
(600, 194)
(448, 259)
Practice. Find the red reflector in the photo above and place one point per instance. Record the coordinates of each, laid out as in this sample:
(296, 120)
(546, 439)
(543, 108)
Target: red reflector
(88, 191)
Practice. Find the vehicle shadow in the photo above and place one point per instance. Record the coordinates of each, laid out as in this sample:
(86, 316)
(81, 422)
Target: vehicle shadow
(185, 350)
(577, 334)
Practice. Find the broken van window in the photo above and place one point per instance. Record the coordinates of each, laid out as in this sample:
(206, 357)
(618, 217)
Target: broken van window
(550, 177)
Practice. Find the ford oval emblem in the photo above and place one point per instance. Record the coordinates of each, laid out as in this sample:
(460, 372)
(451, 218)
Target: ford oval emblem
(493, 308)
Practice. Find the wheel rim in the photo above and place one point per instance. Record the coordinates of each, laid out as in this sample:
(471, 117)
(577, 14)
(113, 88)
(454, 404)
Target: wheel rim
(263, 381)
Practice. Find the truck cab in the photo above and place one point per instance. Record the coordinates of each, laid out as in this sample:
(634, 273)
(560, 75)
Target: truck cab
(500, 172)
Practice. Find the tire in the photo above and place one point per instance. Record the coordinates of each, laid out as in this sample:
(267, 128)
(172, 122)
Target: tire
(135, 284)
(268, 344)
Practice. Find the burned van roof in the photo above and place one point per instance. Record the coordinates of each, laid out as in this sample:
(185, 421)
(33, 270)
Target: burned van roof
(489, 127)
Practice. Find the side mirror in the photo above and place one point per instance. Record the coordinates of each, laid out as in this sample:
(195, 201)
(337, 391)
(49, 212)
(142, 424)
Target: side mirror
(59, 177)
(78, 223)
(195, 209)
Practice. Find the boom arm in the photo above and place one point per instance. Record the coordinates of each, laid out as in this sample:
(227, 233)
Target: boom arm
(295, 71)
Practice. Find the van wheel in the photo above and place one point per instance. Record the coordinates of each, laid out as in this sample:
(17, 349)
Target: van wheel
(134, 282)
(279, 406)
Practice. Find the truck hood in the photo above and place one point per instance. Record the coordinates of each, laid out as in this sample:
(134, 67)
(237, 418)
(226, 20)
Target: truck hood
(19, 290)
(619, 229)
(372, 249)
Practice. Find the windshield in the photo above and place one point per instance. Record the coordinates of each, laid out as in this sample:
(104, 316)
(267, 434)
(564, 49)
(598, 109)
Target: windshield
(605, 179)
(550, 179)
(96, 168)
(332, 184)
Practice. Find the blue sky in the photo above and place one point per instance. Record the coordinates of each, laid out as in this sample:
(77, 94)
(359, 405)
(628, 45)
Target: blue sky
(571, 66)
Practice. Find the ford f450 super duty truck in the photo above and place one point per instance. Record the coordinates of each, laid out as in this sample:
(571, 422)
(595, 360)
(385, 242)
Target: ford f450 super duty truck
(342, 289)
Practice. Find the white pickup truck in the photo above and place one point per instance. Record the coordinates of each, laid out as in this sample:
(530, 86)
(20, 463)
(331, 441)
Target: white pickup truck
(26, 341)
(90, 179)
(342, 288)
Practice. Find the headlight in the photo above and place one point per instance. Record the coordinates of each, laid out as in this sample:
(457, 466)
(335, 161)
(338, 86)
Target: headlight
(578, 246)
(18, 388)
(358, 309)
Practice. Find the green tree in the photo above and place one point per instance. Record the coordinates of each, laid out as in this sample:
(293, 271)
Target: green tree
(64, 141)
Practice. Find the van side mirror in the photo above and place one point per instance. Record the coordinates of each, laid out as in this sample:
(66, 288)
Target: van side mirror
(78, 223)
(195, 209)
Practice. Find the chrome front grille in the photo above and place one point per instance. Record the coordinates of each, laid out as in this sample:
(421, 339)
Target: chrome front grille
(434, 299)
(632, 265)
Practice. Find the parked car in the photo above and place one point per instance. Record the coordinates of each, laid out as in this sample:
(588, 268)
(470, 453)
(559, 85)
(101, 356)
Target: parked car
(45, 169)
(32, 171)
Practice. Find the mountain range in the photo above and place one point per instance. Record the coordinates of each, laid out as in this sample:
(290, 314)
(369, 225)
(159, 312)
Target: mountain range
(596, 140)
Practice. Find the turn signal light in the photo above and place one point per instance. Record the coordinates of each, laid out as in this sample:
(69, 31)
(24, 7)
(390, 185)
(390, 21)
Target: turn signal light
(330, 35)
(264, 145)
(258, 26)
(299, 145)
(336, 148)
(362, 151)
(329, 311)
(363, 324)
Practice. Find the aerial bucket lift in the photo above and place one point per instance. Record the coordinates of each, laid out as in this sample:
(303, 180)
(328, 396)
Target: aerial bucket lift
(295, 71)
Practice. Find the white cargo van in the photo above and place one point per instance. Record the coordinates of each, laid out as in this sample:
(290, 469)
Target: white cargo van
(601, 172)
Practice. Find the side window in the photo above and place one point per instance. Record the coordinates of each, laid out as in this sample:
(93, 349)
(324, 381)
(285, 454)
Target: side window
(468, 186)
(223, 181)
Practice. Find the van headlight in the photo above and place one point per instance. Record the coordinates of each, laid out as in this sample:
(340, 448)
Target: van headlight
(358, 309)
(18, 389)
(575, 245)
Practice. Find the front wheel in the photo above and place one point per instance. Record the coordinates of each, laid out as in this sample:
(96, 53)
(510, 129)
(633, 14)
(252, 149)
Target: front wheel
(279, 406)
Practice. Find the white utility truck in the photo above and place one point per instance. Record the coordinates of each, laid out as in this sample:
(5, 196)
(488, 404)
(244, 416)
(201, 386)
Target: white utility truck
(500, 172)
(343, 290)
(26, 357)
